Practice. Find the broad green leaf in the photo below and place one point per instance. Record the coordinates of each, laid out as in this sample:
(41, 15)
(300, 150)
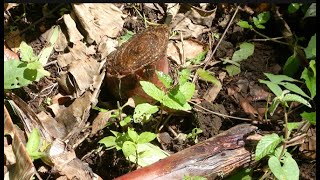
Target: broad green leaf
(233, 70)
(291, 66)
(128, 148)
(310, 50)
(37, 155)
(146, 137)
(312, 11)
(187, 89)
(309, 116)
(115, 133)
(164, 78)
(147, 154)
(177, 95)
(310, 78)
(264, 17)
(133, 135)
(260, 26)
(278, 151)
(246, 50)
(16, 74)
(125, 121)
(206, 76)
(152, 90)
(167, 101)
(123, 137)
(267, 145)
(34, 141)
(143, 112)
(244, 24)
(26, 52)
(290, 168)
(227, 60)
(45, 53)
(108, 142)
(184, 76)
(279, 78)
(276, 169)
(293, 7)
(295, 98)
(275, 88)
(294, 88)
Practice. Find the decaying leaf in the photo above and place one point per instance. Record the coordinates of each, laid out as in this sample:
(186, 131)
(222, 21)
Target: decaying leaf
(74, 35)
(184, 25)
(99, 20)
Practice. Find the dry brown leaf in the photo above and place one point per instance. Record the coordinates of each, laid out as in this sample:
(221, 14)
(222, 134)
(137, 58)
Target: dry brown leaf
(257, 93)
(100, 121)
(201, 17)
(61, 43)
(247, 107)
(54, 128)
(9, 55)
(106, 46)
(23, 168)
(74, 35)
(13, 40)
(99, 20)
(184, 24)
(190, 48)
(211, 94)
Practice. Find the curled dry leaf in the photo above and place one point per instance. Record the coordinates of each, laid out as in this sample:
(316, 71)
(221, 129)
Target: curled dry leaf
(201, 17)
(74, 35)
(184, 24)
(9, 55)
(106, 46)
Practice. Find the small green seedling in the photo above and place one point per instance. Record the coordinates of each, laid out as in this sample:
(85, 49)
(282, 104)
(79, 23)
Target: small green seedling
(194, 134)
(35, 146)
(258, 21)
(136, 148)
(194, 178)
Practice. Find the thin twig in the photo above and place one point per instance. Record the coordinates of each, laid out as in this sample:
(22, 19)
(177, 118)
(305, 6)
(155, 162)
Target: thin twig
(220, 40)
(219, 114)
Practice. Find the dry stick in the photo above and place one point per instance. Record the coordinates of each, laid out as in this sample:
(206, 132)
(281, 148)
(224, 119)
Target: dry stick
(219, 114)
(215, 49)
(38, 21)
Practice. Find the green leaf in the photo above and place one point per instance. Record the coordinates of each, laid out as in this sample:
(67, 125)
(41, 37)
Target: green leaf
(233, 70)
(128, 148)
(293, 7)
(126, 37)
(260, 26)
(147, 154)
(34, 141)
(164, 78)
(206, 76)
(200, 57)
(143, 112)
(184, 75)
(187, 89)
(279, 78)
(26, 52)
(45, 53)
(312, 11)
(244, 24)
(133, 135)
(243, 174)
(296, 98)
(146, 137)
(275, 88)
(267, 145)
(108, 142)
(264, 17)
(246, 50)
(275, 167)
(309, 116)
(177, 95)
(291, 66)
(125, 121)
(274, 105)
(167, 101)
(310, 50)
(292, 126)
(290, 168)
(194, 178)
(16, 74)
(294, 88)
(152, 90)
(310, 78)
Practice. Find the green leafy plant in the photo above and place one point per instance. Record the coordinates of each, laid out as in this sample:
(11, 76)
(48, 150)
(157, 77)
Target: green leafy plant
(194, 178)
(245, 51)
(22, 73)
(176, 97)
(294, 7)
(34, 146)
(194, 134)
(258, 21)
(196, 60)
(280, 162)
(125, 37)
(136, 148)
